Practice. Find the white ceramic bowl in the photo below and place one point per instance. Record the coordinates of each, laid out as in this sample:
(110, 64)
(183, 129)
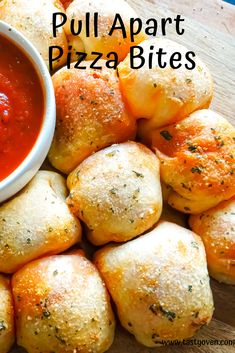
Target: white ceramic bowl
(31, 164)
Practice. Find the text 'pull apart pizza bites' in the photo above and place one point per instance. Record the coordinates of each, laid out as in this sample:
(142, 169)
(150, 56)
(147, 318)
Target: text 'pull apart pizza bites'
(91, 115)
(197, 161)
(159, 284)
(163, 95)
(7, 332)
(117, 192)
(216, 227)
(106, 41)
(62, 306)
(34, 19)
(36, 222)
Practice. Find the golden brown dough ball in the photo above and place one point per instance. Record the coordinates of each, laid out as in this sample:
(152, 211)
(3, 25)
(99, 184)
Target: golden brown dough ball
(62, 306)
(104, 43)
(90, 115)
(159, 283)
(163, 96)
(33, 19)
(216, 227)
(7, 334)
(117, 192)
(197, 161)
(36, 222)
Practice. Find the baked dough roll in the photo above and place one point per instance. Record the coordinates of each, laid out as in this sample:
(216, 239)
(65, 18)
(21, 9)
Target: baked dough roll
(163, 96)
(36, 222)
(159, 284)
(216, 227)
(197, 161)
(104, 43)
(91, 115)
(62, 306)
(33, 19)
(117, 192)
(7, 333)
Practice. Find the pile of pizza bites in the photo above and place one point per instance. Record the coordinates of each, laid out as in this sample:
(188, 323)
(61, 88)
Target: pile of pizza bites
(118, 194)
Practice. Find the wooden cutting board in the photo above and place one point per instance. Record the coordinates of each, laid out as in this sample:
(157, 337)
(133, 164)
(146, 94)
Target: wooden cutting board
(208, 32)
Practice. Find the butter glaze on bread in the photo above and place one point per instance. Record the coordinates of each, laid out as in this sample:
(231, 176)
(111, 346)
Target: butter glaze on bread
(104, 43)
(163, 96)
(36, 222)
(216, 227)
(91, 115)
(117, 192)
(197, 161)
(33, 19)
(7, 333)
(159, 284)
(62, 306)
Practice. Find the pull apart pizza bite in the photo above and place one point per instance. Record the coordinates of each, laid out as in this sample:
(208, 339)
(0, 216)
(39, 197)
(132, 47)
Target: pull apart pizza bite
(159, 284)
(33, 19)
(164, 95)
(216, 227)
(100, 38)
(7, 333)
(36, 222)
(197, 161)
(62, 306)
(91, 115)
(117, 192)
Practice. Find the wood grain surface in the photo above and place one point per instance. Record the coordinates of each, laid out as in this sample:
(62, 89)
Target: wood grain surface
(209, 29)
(212, 13)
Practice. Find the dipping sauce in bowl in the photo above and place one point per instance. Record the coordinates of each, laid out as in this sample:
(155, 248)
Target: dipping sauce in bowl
(27, 111)
(21, 107)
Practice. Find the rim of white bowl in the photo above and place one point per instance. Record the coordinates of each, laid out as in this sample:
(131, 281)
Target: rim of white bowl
(31, 164)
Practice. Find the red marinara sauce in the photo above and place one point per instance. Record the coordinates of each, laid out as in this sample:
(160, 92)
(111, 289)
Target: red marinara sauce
(21, 107)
